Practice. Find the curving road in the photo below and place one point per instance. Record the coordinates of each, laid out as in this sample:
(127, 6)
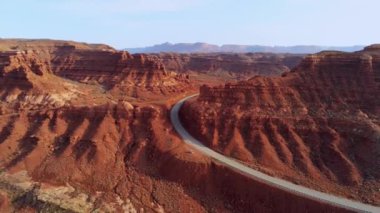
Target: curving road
(259, 176)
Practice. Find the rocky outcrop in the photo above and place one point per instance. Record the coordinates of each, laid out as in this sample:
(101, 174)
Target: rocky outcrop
(22, 67)
(319, 122)
(27, 82)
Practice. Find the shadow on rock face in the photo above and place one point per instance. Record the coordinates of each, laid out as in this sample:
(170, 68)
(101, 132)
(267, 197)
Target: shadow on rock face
(84, 146)
(7, 130)
(28, 142)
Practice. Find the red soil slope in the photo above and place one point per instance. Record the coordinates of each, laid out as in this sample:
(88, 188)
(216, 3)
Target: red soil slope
(318, 125)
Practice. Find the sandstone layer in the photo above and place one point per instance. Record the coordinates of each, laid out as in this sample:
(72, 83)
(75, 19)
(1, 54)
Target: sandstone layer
(318, 124)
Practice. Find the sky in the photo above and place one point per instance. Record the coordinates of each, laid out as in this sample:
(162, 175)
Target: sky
(139, 23)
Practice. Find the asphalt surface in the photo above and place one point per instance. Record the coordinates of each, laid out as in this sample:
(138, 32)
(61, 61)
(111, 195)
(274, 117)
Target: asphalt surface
(261, 177)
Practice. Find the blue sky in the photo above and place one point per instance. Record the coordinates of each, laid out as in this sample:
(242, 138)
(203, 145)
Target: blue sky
(135, 23)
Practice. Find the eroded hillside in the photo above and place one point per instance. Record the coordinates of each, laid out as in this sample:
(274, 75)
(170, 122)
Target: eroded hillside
(318, 124)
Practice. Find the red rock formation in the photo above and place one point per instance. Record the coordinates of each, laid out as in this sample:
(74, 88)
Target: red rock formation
(237, 65)
(21, 67)
(27, 81)
(120, 72)
(318, 123)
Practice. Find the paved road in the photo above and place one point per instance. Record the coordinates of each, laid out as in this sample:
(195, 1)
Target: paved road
(259, 176)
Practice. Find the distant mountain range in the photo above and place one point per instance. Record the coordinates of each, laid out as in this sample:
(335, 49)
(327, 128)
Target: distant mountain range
(209, 48)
